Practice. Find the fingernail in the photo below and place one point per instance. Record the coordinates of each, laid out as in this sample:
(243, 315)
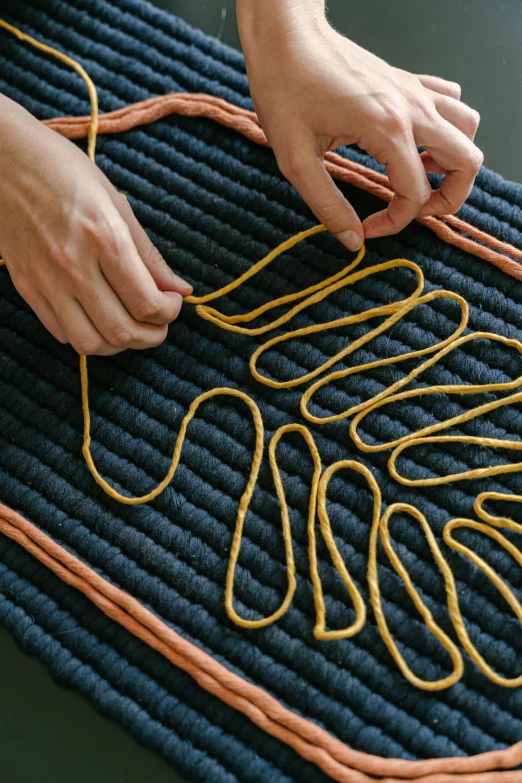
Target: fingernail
(350, 239)
(185, 287)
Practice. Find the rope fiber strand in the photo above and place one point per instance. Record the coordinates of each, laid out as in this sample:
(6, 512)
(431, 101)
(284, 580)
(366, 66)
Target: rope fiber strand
(391, 314)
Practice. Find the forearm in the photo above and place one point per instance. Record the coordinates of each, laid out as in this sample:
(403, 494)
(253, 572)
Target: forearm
(17, 130)
(277, 17)
(11, 114)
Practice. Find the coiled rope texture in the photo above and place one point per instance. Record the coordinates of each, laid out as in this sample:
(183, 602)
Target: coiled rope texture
(494, 251)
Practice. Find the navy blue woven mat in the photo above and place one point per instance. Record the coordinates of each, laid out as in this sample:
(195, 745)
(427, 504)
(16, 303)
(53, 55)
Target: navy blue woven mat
(214, 203)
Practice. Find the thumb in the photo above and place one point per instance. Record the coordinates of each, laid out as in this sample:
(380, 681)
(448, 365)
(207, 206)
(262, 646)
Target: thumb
(306, 171)
(162, 274)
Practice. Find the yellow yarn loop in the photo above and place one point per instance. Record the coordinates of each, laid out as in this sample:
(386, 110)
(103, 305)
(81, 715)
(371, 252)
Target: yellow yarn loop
(391, 314)
(488, 527)
(451, 591)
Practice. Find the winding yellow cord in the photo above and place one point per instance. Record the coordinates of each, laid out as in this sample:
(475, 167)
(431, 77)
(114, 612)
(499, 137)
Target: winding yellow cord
(391, 313)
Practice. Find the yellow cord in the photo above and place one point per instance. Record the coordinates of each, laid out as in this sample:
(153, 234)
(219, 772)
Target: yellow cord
(93, 95)
(390, 313)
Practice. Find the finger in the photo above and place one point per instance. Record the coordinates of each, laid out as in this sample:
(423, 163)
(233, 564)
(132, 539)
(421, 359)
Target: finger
(430, 167)
(45, 313)
(442, 86)
(79, 329)
(40, 306)
(130, 279)
(453, 151)
(459, 114)
(114, 323)
(162, 274)
(307, 173)
(408, 179)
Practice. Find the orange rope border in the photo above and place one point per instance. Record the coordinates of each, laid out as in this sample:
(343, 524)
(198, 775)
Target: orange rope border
(310, 741)
(246, 122)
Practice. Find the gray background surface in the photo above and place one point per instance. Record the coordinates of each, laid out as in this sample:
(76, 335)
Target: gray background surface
(477, 43)
(47, 732)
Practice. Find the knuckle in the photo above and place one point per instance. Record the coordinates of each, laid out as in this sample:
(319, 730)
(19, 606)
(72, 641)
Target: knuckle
(391, 119)
(425, 110)
(66, 260)
(152, 257)
(394, 226)
(423, 194)
(472, 121)
(158, 337)
(330, 215)
(104, 232)
(177, 307)
(449, 204)
(452, 88)
(72, 268)
(412, 91)
(121, 337)
(61, 256)
(475, 116)
(397, 221)
(88, 346)
(147, 309)
(98, 226)
(291, 164)
(475, 159)
(455, 88)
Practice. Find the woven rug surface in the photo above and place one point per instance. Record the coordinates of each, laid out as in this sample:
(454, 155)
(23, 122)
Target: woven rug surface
(214, 203)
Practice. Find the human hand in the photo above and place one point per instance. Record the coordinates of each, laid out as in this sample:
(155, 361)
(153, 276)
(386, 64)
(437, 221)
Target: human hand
(315, 90)
(73, 247)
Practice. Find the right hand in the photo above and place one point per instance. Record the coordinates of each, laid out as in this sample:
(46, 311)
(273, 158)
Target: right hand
(73, 247)
(315, 90)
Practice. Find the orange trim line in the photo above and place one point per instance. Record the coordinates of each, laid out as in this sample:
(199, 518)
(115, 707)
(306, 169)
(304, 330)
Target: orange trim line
(310, 741)
(246, 122)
